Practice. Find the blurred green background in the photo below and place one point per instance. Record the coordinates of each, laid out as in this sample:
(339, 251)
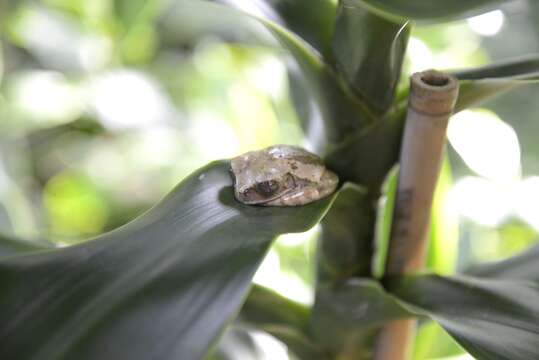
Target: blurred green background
(106, 105)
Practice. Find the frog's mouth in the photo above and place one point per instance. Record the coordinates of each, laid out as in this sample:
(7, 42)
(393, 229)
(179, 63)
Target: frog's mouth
(252, 197)
(260, 200)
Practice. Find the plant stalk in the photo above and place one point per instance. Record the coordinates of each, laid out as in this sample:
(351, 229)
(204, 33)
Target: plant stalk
(432, 99)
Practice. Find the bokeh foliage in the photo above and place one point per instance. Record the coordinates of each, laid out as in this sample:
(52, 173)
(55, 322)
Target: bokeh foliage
(105, 105)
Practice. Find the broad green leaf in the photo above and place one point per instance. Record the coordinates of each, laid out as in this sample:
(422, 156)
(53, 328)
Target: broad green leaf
(524, 266)
(236, 343)
(354, 159)
(264, 307)
(480, 84)
(187, 22)
(369, 51)
(432, 11)
(331, 114)
(162, 286)
(476, 86)
(339, 111)
(475, 92)
(10, 246)
(491, 319)
(282, 318)
(523, 68)
(347, 316)
(346, 241)
(242, 342)
(312, 20)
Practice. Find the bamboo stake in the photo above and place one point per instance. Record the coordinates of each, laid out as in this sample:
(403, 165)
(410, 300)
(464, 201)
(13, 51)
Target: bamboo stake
(432, 98)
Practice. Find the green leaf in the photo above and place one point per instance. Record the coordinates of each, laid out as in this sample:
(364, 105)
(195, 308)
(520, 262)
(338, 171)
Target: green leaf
(369, 51)
(312, 20)
(344, 250)
(11, 246)
(522, 68)
(187, 22)
(354, 159)
(491, 319)
(345, 245)
(339, 111)
(524, 266)
(480, 84)
(483, 83)
(265, 307)
(348, 315)
(432, 11)
(282, 318)
(163, 286)
(236, 343)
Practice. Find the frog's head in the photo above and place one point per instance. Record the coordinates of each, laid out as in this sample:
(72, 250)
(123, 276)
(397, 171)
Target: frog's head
(261, 177)
(259, 182)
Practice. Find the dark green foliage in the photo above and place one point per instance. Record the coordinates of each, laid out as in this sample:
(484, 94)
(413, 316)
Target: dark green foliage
(162, 286)
(167, 284)
(371, 64)
(492, 319)
(478, 85)
(432, 11)
(523, 266)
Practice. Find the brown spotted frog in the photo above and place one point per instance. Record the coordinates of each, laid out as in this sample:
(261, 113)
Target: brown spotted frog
(281, 175)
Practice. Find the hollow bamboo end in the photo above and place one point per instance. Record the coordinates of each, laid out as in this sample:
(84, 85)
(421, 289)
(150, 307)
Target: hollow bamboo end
(433, 92)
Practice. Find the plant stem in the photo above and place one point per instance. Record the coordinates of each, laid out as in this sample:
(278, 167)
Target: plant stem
(432, 99)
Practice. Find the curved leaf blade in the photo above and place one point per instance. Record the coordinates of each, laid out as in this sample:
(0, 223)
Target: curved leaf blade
(432, 11)
(523, 68)
(369, 51)
(312, 20)
(480, 84)
(163, 286)
(282, 318)
(264, 307)
(236, 343)
(354, 159)
(10, 246)
(347, 316)
(345, 245)
(339, 111)
(524, 266)
(492, 319)
(186, 22)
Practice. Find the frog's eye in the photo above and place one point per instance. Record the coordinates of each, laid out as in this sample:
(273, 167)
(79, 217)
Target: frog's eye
(267, 188)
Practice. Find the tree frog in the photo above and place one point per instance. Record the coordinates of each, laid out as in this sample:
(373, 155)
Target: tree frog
(281, 175)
